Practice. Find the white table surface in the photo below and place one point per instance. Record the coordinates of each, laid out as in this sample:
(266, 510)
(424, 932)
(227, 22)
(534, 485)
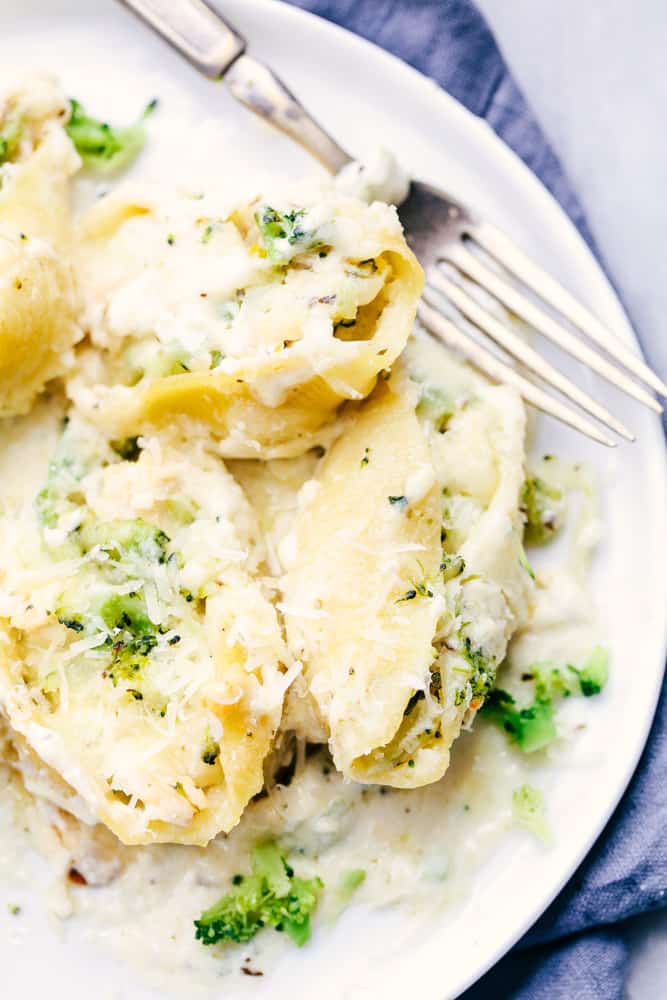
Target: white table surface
(595, 74)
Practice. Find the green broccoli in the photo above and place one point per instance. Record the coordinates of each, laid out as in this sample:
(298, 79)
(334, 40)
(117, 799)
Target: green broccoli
(76, 454)
(127, 612)
(283, 234)
(483, 667)
(451, 566)
(541, 505)
(594, 673)
(119, 538)
(532, 727)
(101, 145)
(528, 811)
(437, 406)
(127, 448)
(11, 131)
(271, 896)
(210, 750)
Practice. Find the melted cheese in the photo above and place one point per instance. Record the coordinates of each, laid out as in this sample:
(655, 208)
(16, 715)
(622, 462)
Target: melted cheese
(256, 320)
(141, 660)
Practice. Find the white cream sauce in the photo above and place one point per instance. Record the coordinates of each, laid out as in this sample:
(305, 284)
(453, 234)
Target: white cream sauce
(378, 177)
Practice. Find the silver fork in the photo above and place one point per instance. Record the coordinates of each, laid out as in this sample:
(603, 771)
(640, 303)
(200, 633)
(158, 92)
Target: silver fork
(481, 263)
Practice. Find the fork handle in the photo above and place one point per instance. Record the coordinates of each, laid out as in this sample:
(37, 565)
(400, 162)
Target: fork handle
(194, 30)
(217, 50)
(258, 88)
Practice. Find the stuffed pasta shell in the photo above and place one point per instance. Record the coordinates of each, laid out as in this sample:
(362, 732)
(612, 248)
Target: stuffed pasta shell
(38, 302)
(258, 319)
(406, 577)
(141, 660)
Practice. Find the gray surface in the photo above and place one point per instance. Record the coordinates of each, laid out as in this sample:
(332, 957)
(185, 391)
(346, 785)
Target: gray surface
(595, 75)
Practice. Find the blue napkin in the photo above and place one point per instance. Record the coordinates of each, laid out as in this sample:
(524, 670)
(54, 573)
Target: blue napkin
(577, 950)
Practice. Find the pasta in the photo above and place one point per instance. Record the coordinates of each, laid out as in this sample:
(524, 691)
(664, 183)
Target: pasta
(162, 615)
(141, 660)
(401, 634)
(38, 301)
(258, 321)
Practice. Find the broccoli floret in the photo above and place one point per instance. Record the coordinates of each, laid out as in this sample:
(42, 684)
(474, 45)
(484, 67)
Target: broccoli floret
(48, 505)
(127, 448)
(483, 667)
(72, 623)
(11, 131)
(541, 505)
(283, 234)
(100, 145)
(451, 566)
(210, 750)
(127, 612)
(528, 811)
(594, 673)
(120, 538)
(531, 728)
(551, 682)
(349, 882)
(435, 405)
(76, 454)
(271, 896)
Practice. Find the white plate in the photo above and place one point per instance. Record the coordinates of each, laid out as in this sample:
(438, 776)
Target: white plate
(368, 98)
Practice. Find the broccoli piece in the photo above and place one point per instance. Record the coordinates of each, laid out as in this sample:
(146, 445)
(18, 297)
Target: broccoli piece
(70, 622)
(183, 510)
(451, 566)
(48, 504)
(435, 405)
(594, 673)
(541, 506)
(100, 145)
(531, 728)
(128, 612)
(550, 682)
(283, 235)
(483, 667)
(127, 448)
(210, 750)
(120, 538)
(523, 561)
(129, 657)
(349, 882)
(11, 131)
(75, 455)
(271, 896)
(528, 811)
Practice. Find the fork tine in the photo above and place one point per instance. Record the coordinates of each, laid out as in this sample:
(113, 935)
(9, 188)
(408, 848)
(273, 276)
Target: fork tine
(517, 347)
(518, 303)
(503, 249)
(483, 359)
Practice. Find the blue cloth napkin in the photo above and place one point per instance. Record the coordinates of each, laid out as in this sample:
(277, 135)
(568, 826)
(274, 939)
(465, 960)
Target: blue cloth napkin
(577, 950)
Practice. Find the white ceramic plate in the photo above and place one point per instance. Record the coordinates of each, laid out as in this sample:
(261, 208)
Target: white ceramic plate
(368, 98)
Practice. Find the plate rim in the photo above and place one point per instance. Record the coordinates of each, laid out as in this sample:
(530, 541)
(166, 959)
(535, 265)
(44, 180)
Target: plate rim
(569, 239)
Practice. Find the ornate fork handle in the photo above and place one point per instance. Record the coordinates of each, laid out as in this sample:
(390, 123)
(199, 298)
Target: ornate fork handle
(218, 51)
